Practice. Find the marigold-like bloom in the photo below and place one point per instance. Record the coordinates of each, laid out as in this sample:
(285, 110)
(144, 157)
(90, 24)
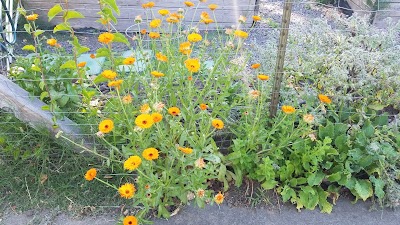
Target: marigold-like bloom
(158, 106)
(161, 57)
(132, 162)
(324, 99)
(204, 15)
(203, 106)
(207, 21)
(130, 220)
(217, 124)
(189, 4)
(174, 111)
(263, 77)
(109, 74)
(173, 18)
(256, 66)
(212, 7)
(115, 83)
(193, 65)
(157, 74)
(184, 48)
(190, 78)
(163, 12)
(106, 38)
(52, 42)
(106, 126)
(241, 34)
(81, 64)
(143, 31)
(93, 56)
(155, 23)
(127, 190)
(90, 174)
(129, 61)
(32, 17)
(127, 99)
(144, 121)
(194, 37)
(150, 154)
(157, 117)
(145, 108)
(288, 109)
(254, 94)
(199, 163)
(308, 118)
(148, 5)
(185, 150)
(242, 19)
(219, 198)
(154, 35)
(256, 18)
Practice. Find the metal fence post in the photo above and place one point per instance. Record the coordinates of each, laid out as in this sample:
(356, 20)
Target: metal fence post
(280, 60)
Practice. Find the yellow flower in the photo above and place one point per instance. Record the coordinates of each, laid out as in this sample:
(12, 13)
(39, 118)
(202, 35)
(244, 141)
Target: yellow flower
(32, 17)
(207, 21)
(115, 83)
(132, 162)
(106, 126)
(194, 37)
(203, 1)
(130, 220)
(155, 23)
(82, 64)
(161, 57)
(157, 74)
(150, 154)
(154, 35)
(193, 65)
(163, 12)
(255, 66)
(106, 38)
(308, 118)
(219, 198)
(189, 4)
(52, 42)
(148, 5)
(90, 174)
(145, 108)
(174, 111)
(157, 117)
(217, 124)
(129, 61)
(256, 18)
(263, 77)
(127, 99)
(212, 7)
(127, 190)
(324, 99)
(184, 48)
(185, 150)
(172, 19)
(144, 121)
(203, 106)
(204, 15)
(288, 109)
(109, 74)
(254, 94)
(241, 34)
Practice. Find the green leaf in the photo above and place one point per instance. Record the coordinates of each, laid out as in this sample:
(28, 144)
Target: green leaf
(54, 11)
(381, 120)
(327, 131)
(28, 27)
(43, 95)
(222, 172)
(315, 178)
(107, 12)
(379, 186)
(60, 27)
(341, 143)
(324, 205)
(368, 129)
(38, 32)
(46, 108)
(99, 79)
(72, 14)
(287, 193)
(334, 177)
(118, 37)
(103, 52)
(70, 64)
(29, 48)
(363, 189)
(269, 184)
(113, 5)
(376, 106)
(42, 85)
(308, 197)
(63, 100)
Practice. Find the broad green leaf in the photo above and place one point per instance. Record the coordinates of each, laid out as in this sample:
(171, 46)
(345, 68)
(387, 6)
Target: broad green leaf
(376, 106)
(38, 32)
(118, 37)
(99, 79)
(63, 100)
(70, 64)
(108, 14)
(43, 95)
(28, 27)
(334, 177)
(315, 178)
(222, 172)
(103, 52)
(363, 189)
(72, 14)
(379, 186)
(381, 120)
(327, 131)
(54, 11)
(324, 205)
(308, 197)
(42, 85)
(269, 184)
(368, 129)
(113, 5)
(29, 48)
(46, 108)
(35, 68)
(60, 27)
(341, 143)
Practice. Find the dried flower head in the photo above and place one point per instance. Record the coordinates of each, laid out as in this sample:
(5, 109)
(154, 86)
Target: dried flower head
(158, 106)
(308, 118)
(254, 94)
(200, 193)
(199, 163)
(138, 19)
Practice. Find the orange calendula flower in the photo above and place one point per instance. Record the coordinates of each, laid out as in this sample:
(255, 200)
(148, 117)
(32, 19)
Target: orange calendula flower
(200, 193)
(145, 108)
(106, 126)
(129, 61)
(150, 154)
(143, 31)
(92, 56)
(127, 99)
(163, 12)
(254, 94)
(308, 118)
(185, 150)
(144, 121)
(194, 37)
(288, 109)
(203, 106)
(132, 162)
(190, 78)
(157, 117)
(52, 42)
(212, 7)
(173, 18)
(241, 34)
(157, 74)
(130, 220)
(127, 190)
(256, 18)
(217, 124)
(193, 65)
(189, 4)
(263, 77)
(185, 48)
(109, 74)
(256, 66)
(219, 198)
(90, 174)
(148, 5)
(324, 99)
(115, 83)
(154, 35)
(32, 17)
(82, 64)
(155, 23)
(161, 57)
(106, 38)
(174, 111)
